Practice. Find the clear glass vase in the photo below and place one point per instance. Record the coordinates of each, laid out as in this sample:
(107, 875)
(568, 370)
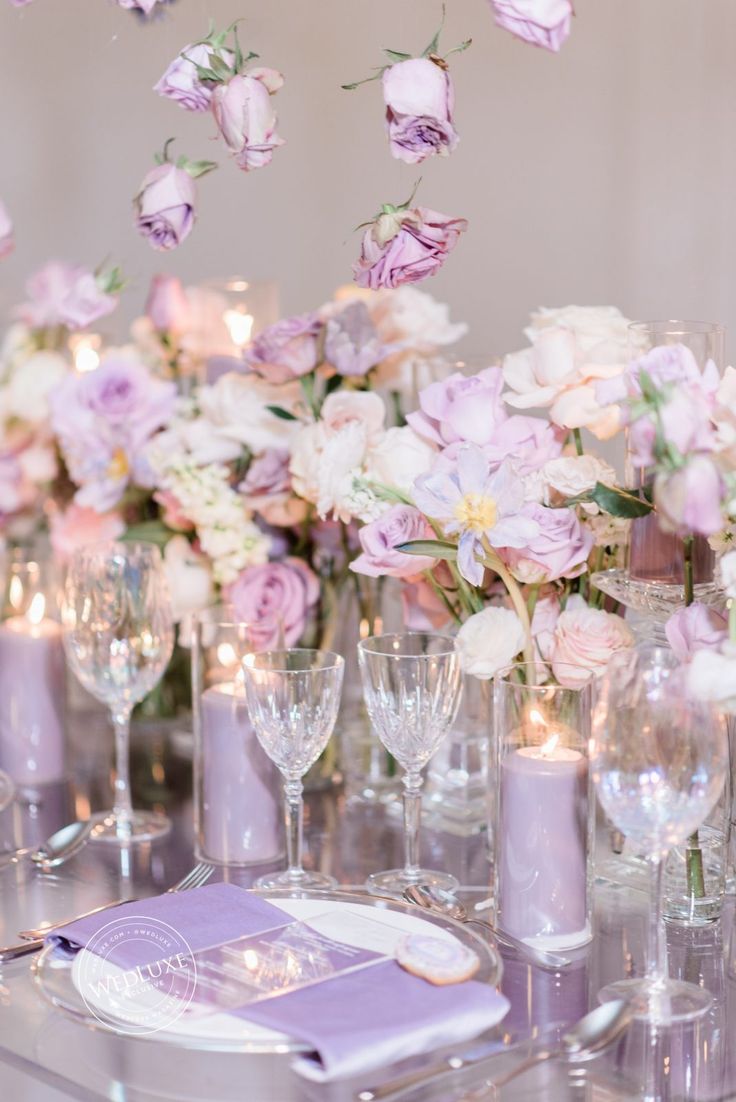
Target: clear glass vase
(457, 793)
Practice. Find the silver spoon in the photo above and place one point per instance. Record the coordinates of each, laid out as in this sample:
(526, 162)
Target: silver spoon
(62, 845)
(593, 1033)
(443, 902)
(590, 1036)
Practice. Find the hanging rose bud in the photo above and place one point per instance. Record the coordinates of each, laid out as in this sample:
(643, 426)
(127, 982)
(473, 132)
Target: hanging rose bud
(544, 23)
(244, 113)
(165, 206)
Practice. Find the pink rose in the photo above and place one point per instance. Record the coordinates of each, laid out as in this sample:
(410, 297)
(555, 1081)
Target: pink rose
(690, 499)
(544, 621)
(459, 409)
(543, 23)
(352, 345)
(559, 550)
(285, 350)
(380, 538)
(78, 526)
(695, 628)
(167, 305)
(586, 638)
(529, 442)
(281, 591)
(419, 97)
(172, 513)
(246, 118)
(405, 246)
(181, 83)
(64, 294)
(165, 206)
(7, 237)
(267, 485)
(423, 609)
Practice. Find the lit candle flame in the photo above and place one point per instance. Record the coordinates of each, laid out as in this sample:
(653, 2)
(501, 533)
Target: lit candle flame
(537, 718)
(240, 326)
(548, 748)
(226, 655)
(86, 351)
(37, 609)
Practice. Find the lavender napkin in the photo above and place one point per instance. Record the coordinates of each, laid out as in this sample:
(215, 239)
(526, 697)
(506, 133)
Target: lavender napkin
(354, 1022)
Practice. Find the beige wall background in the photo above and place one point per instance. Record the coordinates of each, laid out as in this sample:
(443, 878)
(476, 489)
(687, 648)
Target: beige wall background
(605, 174)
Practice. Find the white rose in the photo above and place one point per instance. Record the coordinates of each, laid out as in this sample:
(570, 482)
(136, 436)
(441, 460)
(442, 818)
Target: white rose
(573, 475)
(30, 384)
(354, 407)
(189, 575)
(414, 317)
(489, 640)
(236, 409)
(304, 465)
(727, 567)
(711, 675)
(399, 458)
(340, 464)
(38, 463)
(599, 330)
(584, 641)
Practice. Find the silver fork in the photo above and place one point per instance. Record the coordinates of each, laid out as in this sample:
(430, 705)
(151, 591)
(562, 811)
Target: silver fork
(33, 940)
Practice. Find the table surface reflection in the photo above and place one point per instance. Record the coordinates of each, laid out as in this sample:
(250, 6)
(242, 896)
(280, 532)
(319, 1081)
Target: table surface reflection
(349, 840)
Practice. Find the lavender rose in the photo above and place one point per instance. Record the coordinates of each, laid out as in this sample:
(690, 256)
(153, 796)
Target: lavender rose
(167, 305)
(246, 118)
(690, 499)
(285, 350)
(543, 23)
(7, 237)
(419, 98)
(165, 206)
(181, 82)
(459, 409)
(405, 246)
(278, 595)
(352, 345)
(64, 294)
(559, 550)
(695, 628)
(380, 538)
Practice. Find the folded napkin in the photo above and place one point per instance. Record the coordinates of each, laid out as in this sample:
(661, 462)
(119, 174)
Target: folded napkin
(354, 1022)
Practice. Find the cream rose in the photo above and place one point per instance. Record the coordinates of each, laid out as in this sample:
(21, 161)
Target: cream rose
(399, 457)
(236, 408)
(189, 575)
(489, 641)
(584, 641)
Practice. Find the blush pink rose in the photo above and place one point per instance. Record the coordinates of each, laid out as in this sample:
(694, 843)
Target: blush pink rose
(279, 595)
(79, 526)
(7, 237)
(64, 294)
(695, 628)
(167, 305)
(246, 118)
(285, 350)
(406, 246)
(461, 410)
(690, 499)
(380, 538)
(419, 97)
(423, 609)
(584, 641)
(559, 550)
(544, 621)
(165, 207)
(543, 23)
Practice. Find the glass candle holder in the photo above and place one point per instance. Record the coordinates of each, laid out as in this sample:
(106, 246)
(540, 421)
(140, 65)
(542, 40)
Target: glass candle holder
(655, 555)
(247, 309)
(32, 677)
(237, 789)
(542, 808)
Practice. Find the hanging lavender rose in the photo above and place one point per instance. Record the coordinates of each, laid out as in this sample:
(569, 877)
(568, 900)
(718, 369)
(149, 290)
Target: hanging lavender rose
(69, 295)
(7, 237)
(405, 245)
(244, 113)
(143, 7)
(544, 23)
(419, 96)
(182, 81)
(165, 206)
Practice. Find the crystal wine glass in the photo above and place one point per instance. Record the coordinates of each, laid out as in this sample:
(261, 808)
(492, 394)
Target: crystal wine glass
(659, 759)
(293, 698)
(411, 684)
(119, 635)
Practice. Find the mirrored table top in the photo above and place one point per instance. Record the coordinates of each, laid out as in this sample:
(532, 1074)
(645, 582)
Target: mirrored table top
(349, 839)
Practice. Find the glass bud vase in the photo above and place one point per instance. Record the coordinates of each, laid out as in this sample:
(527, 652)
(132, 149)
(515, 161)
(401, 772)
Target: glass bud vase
(237, 789)
(542, 821)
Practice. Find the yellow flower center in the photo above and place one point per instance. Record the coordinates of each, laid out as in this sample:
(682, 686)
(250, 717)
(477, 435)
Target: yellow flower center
(476, 512)
(119, 466)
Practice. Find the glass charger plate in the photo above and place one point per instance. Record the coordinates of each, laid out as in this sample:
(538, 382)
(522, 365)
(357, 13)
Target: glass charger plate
(54, 974)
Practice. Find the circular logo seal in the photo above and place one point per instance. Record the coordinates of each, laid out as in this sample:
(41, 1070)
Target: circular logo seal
(137, 976)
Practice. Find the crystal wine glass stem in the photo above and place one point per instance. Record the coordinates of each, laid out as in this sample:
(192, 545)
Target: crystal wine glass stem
(657, 947)
(294, 806)
(412, 814)
(123, 807)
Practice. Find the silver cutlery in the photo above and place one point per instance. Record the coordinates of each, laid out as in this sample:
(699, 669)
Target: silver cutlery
(34, 939)
(62, 845)
(593, 1033)
(441, 902)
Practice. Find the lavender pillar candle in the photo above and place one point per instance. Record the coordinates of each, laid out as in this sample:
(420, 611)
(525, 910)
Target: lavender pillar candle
(32, 701)
(240, 813)
(542, 874)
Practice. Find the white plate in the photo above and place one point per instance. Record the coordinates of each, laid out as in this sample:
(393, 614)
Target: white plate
(56, 974)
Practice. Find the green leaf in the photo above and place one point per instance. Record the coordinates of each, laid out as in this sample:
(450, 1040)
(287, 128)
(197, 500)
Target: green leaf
(333, 384)
(619, 503)
(396, 55)
(199, 168)
(221, 70)
(284, 414)
(437, 549)
(148, 531)
(435, 43)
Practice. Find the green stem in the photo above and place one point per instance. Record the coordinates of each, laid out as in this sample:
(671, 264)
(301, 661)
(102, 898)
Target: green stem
(440, 592)
(493, 562)
(578, 438)
(531, 602)
(694, 854)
